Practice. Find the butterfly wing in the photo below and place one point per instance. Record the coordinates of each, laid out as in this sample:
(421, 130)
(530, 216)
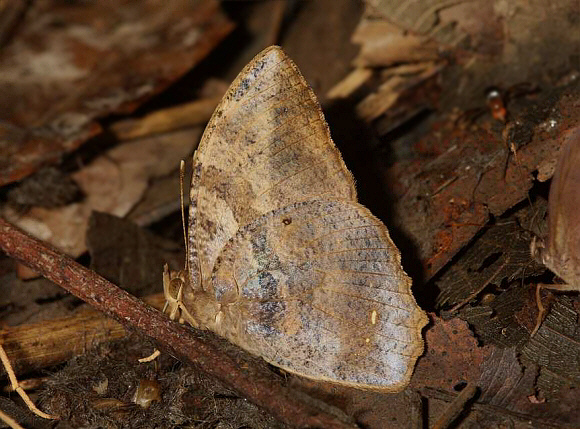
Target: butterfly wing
(317, 288)
(266, 146)
(563, 245)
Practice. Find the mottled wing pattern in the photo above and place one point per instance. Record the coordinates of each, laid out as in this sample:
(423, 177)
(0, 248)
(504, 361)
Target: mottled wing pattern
(266, 146)
(563, 255)
(317, 289)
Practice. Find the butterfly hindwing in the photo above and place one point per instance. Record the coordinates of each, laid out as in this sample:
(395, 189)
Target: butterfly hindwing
(317, 289)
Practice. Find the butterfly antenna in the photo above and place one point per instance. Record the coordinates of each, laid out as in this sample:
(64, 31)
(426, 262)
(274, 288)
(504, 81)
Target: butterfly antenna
(181, 180)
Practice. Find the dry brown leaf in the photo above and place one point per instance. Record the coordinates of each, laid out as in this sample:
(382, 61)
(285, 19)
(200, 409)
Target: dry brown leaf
(113, 183)
(461, 176)
(507, 389)
(68, 64)
(555, 348)
(128, 255)
(501, 253)
(561, 250)
(499, 322)
(452, 355)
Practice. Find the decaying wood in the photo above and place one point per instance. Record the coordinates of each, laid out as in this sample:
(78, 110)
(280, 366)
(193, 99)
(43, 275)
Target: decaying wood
(353, 81)
(255, 384)
(171, 119)
(34, 346)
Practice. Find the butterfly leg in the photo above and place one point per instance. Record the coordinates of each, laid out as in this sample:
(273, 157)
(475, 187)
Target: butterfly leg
(172, 303)
(173, 283)
(541, 310)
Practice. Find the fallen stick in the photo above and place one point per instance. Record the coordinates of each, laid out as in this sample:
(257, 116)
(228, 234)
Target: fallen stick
(250, 381)
(33, 346)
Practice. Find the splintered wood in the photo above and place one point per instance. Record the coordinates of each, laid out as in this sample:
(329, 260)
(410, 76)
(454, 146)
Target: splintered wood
(283, 261)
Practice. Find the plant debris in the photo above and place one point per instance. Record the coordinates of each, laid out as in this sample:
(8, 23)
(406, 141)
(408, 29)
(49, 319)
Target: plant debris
(100, 387)
(68, 64)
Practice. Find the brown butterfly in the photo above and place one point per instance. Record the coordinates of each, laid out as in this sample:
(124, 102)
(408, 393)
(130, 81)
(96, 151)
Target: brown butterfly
(282, 259)
(560, 251)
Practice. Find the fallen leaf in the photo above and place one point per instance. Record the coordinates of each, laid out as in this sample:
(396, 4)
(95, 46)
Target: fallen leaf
(112, 183)
(71, 63)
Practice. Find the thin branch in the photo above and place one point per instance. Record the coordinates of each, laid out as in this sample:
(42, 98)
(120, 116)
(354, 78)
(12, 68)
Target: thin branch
(456, 407)
(9, 420)
(248, 379)
(18, 389)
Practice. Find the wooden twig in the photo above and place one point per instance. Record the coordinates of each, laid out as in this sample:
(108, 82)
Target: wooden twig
(250, 381)
(456, 407)
(18, 389)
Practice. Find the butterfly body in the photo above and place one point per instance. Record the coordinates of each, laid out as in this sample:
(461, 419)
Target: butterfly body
(283, 261)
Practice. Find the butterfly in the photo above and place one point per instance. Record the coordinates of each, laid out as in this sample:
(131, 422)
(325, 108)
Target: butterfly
(281, 258)
(560, 251)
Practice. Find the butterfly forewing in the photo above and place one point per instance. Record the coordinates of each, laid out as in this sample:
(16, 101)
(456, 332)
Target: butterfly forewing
(266, 146)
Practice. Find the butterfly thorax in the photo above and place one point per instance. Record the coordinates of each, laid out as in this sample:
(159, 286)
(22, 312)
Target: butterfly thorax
(188, 303)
